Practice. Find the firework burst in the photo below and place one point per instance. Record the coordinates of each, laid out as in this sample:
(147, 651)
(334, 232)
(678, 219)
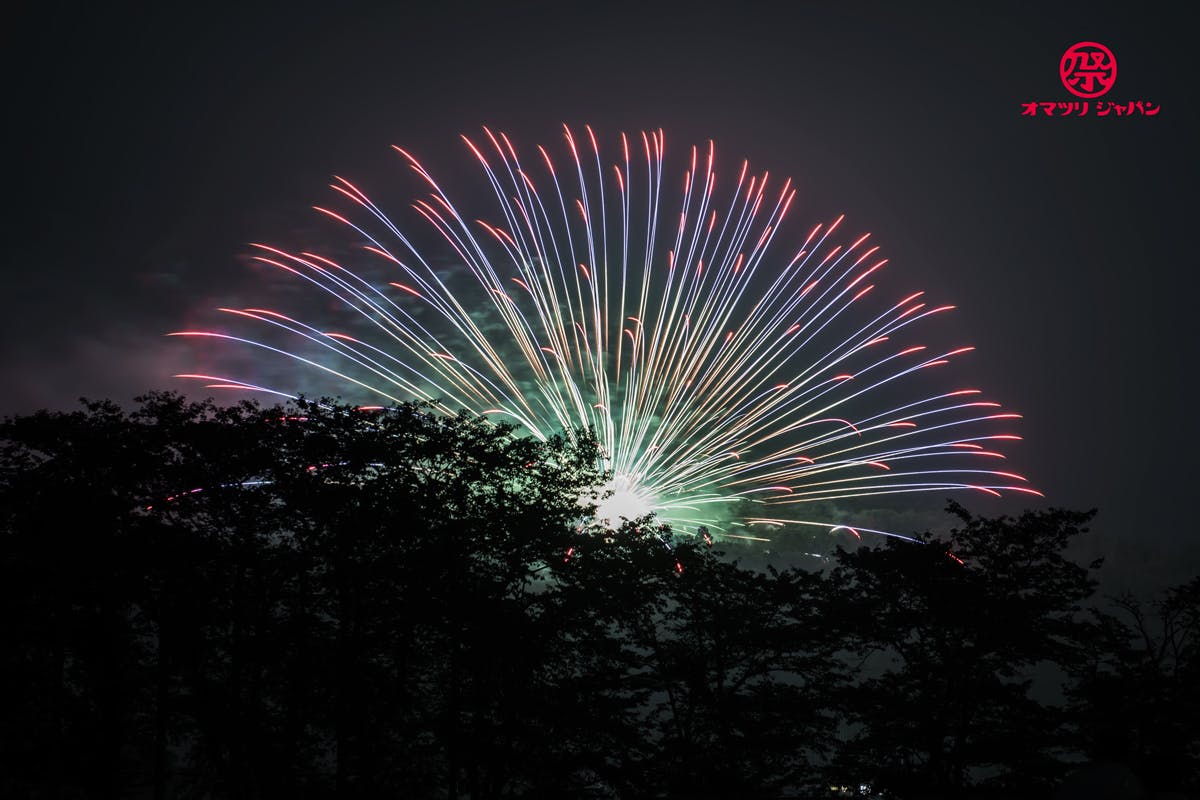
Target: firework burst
(729, 383)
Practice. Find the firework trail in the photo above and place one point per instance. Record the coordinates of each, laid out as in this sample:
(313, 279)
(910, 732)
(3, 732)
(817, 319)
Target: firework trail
(729, 384)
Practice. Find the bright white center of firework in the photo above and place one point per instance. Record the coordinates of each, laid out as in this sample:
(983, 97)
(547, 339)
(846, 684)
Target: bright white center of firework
(628, 501)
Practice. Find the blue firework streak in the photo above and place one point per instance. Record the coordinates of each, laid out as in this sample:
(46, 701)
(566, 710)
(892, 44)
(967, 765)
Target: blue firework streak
(729, 383)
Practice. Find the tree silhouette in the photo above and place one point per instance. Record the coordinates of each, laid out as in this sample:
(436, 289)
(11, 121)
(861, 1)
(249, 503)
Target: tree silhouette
(249, 600)
(1137, 694)
(325, 601)
(948, 632)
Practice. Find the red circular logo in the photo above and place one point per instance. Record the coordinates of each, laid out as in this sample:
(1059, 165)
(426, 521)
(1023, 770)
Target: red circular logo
(1088, 69)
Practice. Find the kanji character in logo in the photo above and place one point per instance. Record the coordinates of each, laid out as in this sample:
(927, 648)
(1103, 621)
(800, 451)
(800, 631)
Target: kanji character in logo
(1088, 69)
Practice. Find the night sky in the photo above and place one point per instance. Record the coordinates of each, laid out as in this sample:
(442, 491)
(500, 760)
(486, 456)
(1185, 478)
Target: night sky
(147, 148)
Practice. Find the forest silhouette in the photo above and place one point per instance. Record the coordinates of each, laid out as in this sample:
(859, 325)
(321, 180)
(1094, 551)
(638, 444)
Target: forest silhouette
(322, 601)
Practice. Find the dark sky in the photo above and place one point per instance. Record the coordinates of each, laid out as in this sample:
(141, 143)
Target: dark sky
(146, 148)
